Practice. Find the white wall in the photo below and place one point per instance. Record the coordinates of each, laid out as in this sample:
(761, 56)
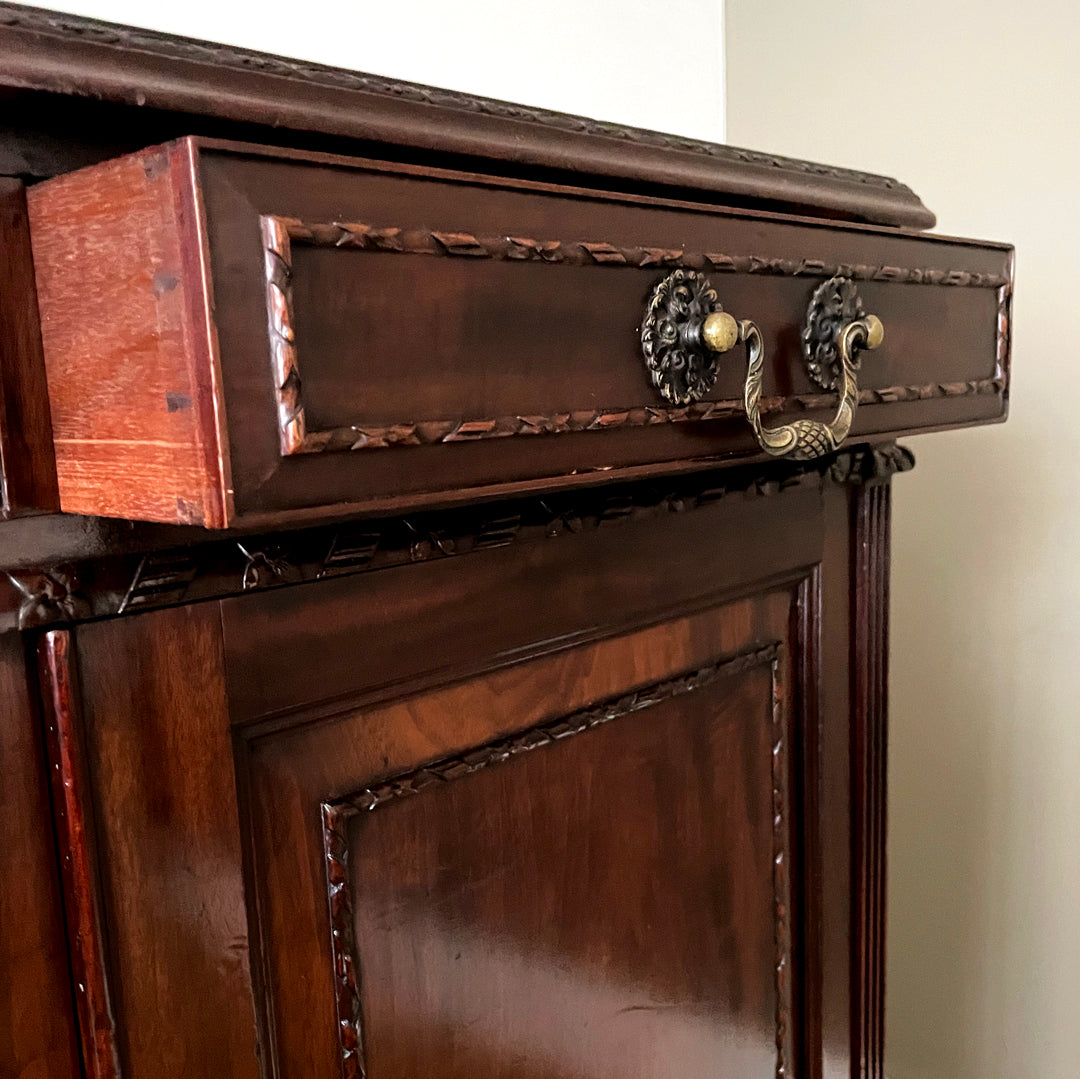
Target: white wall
(609, 59)
(976, 106)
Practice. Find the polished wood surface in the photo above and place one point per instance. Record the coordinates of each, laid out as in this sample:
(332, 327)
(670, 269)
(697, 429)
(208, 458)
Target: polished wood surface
(76, 837)
(428, 349)
(37, 1018)
(137, 78)
(158, 755)
(233, 829)
(27, 464)
(587, 900)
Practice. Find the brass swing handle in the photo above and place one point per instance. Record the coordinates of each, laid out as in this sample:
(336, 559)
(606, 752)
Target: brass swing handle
(686, 330)
(803, 440)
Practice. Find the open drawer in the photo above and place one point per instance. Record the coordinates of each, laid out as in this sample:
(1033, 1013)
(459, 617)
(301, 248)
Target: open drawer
(241, 336)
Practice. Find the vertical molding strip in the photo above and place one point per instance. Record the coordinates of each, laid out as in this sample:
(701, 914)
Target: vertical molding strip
(808, 778)
(78, 853)
(872, 504)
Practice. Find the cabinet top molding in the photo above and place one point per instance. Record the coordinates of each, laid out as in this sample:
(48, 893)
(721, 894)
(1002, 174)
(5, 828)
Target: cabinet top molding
(47, 52)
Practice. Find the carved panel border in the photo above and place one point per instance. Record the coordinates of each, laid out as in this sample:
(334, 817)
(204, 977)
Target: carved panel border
(337, 814)
(280, 233)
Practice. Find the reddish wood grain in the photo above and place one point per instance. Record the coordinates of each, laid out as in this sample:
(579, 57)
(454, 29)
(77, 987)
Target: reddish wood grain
(128, 346)
(27, 463)
(159, 755)
(77, 840)
(38, 1035)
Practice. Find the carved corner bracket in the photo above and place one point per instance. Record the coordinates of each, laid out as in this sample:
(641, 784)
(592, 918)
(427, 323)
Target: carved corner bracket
(48, 596)
(871, 464)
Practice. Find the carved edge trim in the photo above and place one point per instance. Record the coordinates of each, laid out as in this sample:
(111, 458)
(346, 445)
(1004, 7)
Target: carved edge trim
(73, 815)
(48, 596)
(55, 24)
(337, 813)
(128, 583)
(277, 254)
(1003, 333)
(435, 432)
(781, 879)
(874, 464)
(280, 233)
(364, 237)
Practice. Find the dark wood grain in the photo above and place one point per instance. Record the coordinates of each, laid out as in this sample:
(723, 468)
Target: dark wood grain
(27, 463)
(604, 769)
(472, 903)
(64, 54)
(158, 757)
(449, 615)
(285, 239)
(835, 930)
(389, 674)
(546, 863)
(129, 575)
(38, 1034)
(869, 734)
(368, 344)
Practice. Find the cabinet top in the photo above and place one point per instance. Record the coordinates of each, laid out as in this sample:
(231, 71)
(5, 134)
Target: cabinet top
(172, 85)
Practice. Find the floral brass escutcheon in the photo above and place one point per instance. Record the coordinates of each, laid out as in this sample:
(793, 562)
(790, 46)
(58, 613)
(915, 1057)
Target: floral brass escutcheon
(834, 304)
(681, 369)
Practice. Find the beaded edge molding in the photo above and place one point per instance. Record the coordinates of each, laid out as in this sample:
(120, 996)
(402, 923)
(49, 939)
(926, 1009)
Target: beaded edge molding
(280, 233)
(336, 815)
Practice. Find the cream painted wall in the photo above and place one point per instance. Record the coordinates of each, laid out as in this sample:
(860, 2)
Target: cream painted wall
(596, 58)
(976, 106)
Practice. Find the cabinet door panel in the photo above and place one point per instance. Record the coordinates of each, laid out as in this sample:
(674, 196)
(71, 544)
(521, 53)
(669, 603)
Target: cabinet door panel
(603, 903)
(544, 810)
(576, 866)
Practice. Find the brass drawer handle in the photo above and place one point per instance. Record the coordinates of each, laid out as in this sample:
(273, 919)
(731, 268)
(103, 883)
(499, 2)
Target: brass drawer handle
(686, 329)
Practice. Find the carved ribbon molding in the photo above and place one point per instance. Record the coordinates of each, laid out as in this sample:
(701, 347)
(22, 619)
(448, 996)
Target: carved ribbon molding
(280, 233)
(122, 583)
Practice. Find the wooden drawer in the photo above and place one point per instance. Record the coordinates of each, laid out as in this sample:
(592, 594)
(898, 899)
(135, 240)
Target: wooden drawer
(236, 336)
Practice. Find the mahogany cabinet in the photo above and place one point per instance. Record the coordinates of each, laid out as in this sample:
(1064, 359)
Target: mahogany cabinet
(445, 609)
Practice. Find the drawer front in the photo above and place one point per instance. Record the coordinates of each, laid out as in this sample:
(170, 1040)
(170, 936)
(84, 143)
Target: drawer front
(236, 336)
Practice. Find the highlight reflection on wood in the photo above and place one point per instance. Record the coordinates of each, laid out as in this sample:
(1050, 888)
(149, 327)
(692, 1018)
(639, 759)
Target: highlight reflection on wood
(625, 887)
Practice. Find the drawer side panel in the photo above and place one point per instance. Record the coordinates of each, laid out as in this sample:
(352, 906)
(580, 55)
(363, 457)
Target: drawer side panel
(128, 348)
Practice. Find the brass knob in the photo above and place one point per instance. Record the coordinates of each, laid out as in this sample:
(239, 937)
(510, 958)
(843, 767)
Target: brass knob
(720, 332)
(875, 332)
(684, 331)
